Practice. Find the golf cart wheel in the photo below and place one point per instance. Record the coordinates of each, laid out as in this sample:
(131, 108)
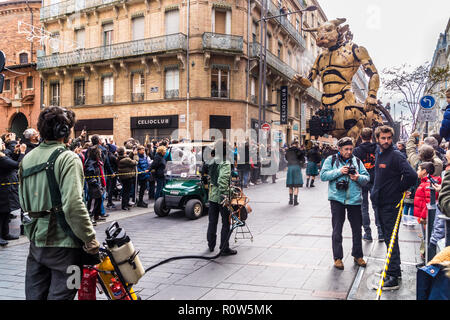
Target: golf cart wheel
(193, 209)
(160, 207)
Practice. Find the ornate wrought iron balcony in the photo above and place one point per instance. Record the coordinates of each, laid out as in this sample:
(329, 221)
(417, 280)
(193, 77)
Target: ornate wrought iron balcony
(273, 61)
(107, 99)
(167, 43)
(224, 94)
(137, 96)
(273, 10)
(171, 94)
(71, 6)
(222, 42)
(81, 100)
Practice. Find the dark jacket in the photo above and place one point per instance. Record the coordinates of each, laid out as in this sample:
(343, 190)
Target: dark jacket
(393, 176)
(314, 155)
(126, 167)
(158, 166)
(444, 132)
(295, 156)
(244, 159)
(364, 151)
(9, 194)
(92, 174)
(30, 145)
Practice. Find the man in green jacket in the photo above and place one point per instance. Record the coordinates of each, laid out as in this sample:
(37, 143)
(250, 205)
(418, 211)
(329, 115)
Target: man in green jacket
(52, 249)
(220, 174)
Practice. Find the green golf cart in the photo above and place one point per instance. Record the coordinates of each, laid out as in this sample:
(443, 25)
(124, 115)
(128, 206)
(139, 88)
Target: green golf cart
(185, 188)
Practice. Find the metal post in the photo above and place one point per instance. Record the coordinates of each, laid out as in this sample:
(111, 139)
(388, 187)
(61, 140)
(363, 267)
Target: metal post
(265, 62)
(430, 221)
(260, 82)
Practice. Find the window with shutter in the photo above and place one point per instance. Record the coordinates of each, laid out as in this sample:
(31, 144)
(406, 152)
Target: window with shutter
(172, 21)
(108, 89)
(108, 34)
(172, 83)
(54, 94)
(138, 26)
(80, 38)
(137, 82)
(29, 82)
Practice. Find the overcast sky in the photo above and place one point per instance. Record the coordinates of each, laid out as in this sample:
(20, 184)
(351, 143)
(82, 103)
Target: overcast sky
(393, 31)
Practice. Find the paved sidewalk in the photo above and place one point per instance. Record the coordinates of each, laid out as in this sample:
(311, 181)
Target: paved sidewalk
(290, 257)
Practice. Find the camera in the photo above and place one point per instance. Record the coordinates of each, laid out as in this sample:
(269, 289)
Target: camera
(342, 185)
(351, 169)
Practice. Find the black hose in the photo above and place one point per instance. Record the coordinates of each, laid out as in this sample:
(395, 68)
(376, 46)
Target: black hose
(193, 257)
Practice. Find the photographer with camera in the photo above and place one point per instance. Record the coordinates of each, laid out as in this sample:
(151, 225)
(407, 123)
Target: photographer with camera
(346, 175)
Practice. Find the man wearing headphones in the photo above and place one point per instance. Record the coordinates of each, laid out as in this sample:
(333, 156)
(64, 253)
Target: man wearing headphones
(51, 191)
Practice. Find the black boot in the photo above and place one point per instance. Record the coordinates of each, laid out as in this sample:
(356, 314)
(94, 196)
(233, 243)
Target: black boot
(290, 198)
(295, 200)
(312, 184)
(307, 182)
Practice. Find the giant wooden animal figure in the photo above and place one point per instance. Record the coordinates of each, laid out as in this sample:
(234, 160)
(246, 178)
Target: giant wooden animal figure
(336, 66)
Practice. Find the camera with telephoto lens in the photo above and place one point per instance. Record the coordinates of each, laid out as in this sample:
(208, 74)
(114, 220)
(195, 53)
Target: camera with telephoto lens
(342, 185)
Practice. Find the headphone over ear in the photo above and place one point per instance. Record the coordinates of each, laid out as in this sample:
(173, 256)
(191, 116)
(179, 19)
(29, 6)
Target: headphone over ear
(62, 130)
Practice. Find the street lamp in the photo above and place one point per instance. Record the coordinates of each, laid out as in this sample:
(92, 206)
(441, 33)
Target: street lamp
(263, 52)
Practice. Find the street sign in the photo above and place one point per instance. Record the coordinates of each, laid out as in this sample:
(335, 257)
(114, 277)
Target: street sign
(284, 105)
(265, 127)
(427, 102)
(427, 112)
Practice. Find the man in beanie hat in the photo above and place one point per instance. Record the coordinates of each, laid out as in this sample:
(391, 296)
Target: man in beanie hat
(346, 175)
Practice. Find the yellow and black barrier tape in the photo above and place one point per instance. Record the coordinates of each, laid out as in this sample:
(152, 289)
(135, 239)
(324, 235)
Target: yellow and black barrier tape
(89, 177)
(391, 246)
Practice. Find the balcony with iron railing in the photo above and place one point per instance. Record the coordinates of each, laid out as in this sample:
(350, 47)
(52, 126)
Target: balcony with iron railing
(79, 101)
(277, 64)
(72, 6)
(171, 94)
(273, 61)
(222, 42)
(137, 96)
(54, 101)
(224, 94)
(273, 10)
(162, 44)
(107, 99)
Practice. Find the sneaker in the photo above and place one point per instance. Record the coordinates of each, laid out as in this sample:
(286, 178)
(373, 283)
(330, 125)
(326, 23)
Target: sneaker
(380, 238)
(126, 208)
(110, 206)
(367, 237)
(390, 283)
(100, 219)
(229, 252)
(378, 274)
(338, 264)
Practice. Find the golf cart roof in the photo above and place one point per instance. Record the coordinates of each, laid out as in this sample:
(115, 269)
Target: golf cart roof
(195, 144)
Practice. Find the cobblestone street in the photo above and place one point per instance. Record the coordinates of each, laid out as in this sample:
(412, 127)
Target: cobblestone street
(290, 257)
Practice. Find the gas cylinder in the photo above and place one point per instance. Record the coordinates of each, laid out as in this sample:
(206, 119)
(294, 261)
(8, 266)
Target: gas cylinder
(124, 254)
(118, 290)
(88, 285)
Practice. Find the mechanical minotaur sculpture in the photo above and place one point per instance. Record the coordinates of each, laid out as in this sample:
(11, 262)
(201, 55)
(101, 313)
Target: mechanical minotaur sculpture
(336, 66)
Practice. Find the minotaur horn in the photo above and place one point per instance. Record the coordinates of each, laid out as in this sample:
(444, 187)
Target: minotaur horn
(310, 29)
(338, 21)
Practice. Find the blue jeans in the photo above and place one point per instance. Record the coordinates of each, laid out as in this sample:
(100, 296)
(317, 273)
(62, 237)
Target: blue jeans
(366, 216)
(408, 209)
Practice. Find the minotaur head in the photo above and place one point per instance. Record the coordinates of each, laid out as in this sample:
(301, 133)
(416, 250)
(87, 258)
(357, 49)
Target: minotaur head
(330, 33)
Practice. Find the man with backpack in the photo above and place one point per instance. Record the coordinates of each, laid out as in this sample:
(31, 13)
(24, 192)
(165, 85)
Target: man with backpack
(346, 175)
(366, 153)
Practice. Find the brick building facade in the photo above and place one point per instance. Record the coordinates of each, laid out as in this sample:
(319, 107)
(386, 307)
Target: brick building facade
(124, 66)
(21, 97)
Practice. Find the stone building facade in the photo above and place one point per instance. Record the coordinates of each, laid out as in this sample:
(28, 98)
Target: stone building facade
(145, 68)
(21, 97)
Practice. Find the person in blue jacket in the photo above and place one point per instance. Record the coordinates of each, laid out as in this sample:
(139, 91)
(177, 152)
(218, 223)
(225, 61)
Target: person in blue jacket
(444, 132)
(143, 168)
(346, 175)
(393, 176)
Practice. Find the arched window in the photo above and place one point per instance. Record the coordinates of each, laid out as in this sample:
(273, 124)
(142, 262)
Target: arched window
(23, 58)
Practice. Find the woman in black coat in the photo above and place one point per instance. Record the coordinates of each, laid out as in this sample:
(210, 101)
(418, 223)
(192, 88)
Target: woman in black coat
(294, 178)
(157, 169)
(96, 185)
(9, 193)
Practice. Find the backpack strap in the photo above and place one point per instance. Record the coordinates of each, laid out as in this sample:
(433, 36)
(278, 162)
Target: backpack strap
(333, 160)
